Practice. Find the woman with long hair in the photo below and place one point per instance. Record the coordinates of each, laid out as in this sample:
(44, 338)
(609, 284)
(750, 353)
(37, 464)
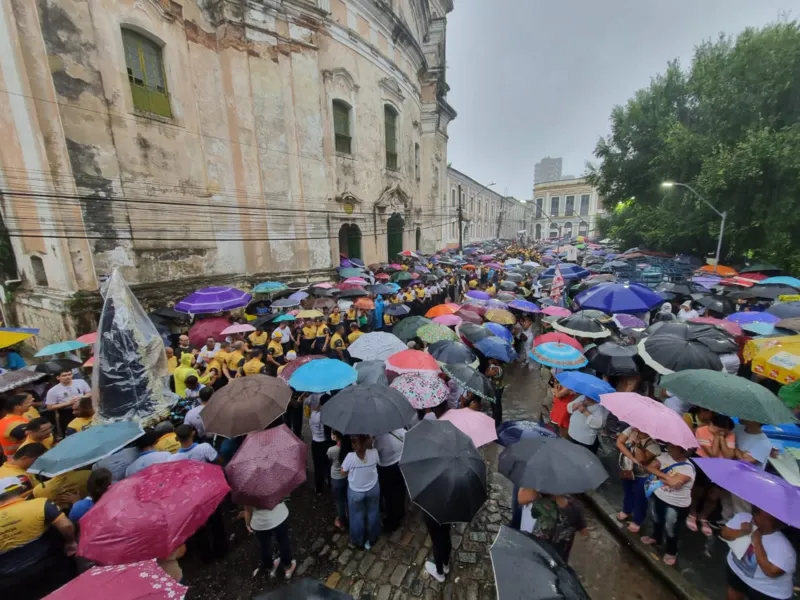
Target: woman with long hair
(363, 492)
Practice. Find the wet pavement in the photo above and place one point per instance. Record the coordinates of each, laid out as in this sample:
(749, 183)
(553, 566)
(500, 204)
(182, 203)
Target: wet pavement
(394, 568)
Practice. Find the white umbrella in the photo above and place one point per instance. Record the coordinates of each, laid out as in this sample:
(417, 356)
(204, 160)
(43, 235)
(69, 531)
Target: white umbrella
(376, 346)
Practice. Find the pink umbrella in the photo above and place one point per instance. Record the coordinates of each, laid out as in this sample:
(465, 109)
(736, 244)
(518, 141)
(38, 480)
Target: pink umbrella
(325, 286)
(478, 426)
(350, 286)
(728, 326)
(449, 320)
(90, 362)
(469, 316)
(382, 276)
(206, 328)
(293, 365)
(143, 580)
(556, 311)
(396, 267)
(422, 390)
(412, 361)
(476, 308)
(238, 328)
(267, 467)
(494, 265)
(88, 338)
(651, 417)
(150, 514)
(355, 280)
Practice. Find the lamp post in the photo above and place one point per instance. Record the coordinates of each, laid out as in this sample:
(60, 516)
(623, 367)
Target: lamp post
(723, 215)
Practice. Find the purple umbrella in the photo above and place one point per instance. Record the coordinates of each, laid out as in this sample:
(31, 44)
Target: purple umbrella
(768, 492)
(706, 281)
(494, 303)
(743, 318)
(213, 299)
(524, 306)
(624, 320)
(299, 296)
(478, 295)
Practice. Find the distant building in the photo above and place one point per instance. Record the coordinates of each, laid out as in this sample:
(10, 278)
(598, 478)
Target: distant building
(564, 208)
(547, 169)
(511, 224)
(481, 207)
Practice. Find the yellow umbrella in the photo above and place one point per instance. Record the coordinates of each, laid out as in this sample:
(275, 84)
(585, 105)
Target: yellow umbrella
(12, 335)
(309, 314)
(498, 315)
(758, 345)
(779, 361)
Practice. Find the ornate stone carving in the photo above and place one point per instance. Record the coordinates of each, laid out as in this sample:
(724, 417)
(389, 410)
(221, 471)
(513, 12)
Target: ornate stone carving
(340, 76)
(392, 89)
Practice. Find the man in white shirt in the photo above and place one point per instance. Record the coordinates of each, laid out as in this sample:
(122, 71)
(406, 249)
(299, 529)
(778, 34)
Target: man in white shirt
(393, 487)
(193, 417)
(588, 418)
(62, 396)
(149, 455)
(190, 449)
(208, 352)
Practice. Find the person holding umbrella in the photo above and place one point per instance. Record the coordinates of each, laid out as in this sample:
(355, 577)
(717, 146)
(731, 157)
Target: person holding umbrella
(636, 451)
(363, 494)
(587, 418)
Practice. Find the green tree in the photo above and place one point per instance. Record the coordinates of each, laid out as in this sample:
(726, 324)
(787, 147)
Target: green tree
(730, 127)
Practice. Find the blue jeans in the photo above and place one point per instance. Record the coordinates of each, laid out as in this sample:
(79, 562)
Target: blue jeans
(364, 506)
(339, 487)
(635, 502)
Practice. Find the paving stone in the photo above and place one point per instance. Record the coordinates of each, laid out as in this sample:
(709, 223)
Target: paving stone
(478, 573)
(334, 554)
(367, 590)
(422, 554)
(356, 587)
(305, 565)
(492, 508)
(467, 557)
(396, 578)
(472, 590)
(386, 552)
(430, 594)
(494, 517)
(447, 593)
(318, 543)
(350, 568)
(388, 569)
(336, 537)
(419, 538)
(366, 563)
(456, 541)
(403, 555)
(416, 587)
(460, 527)
(407, 538)
(411, 574)
(428, 542)
(493, 527)
(384, 592)
(469, 546)
(333, 579)
(477, 536)
(495, 495)
(375, 571)
(344, 584)
(396, 536)
(399, 595)
(345, 556)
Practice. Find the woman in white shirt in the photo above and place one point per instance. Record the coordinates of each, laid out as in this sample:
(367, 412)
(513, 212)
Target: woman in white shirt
(264, 522)
(319, 445)
(363, 492)
(588, 418)
(765, 568)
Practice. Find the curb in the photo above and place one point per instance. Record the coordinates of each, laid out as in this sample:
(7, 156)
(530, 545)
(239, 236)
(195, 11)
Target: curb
(670, 576)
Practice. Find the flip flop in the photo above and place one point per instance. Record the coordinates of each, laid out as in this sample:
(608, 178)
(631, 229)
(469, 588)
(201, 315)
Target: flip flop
(621, 516)
(705, 527)
(691, 523)
(669, 560)
(633, 527)
(647, 540)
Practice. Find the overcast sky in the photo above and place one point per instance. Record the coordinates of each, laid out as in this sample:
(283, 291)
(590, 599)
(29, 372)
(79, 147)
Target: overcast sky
(536, 78)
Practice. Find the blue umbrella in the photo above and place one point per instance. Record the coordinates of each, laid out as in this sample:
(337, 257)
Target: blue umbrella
(323, 375)
(583, 383)
(560, 356)
(478, 295)
(781, 280)
(299, 296)
(357, 262)
(741, 318)
(213, 299)
(282, 318)
(86, 447)
(346, 272)
(61, 347)
(286, 303)
(500, 331)
(397, 310)
(759, 328)
(619, 298)
(495, 347)
(267, 287)
(523, 305)
(568, 271)
(510, 432)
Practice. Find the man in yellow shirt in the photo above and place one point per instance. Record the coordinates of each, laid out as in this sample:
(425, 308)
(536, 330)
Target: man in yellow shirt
(40, 431)
(84, 416)
(323, 337)
(473, 284)
(258, 338)
(338, 345)
(232, 360)
(18, 465)
(254, 364)
(355, 333)
(290, 356)
(335, 317)
(63, 488)
(172, 360)
(222, 355)
(168, 442)
(275, 353)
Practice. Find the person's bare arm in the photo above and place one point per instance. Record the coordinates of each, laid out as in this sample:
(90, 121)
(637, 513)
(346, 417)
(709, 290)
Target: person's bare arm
(769, 569)
(724, 449)
(730, 534)
(621, 439)
(67, 531)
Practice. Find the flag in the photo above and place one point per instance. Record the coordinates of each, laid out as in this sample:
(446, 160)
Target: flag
(557, 286)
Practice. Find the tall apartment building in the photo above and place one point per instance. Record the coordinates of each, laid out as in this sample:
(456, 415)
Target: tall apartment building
(547, 169)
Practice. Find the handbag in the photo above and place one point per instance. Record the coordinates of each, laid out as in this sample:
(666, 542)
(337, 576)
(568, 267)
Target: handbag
(653, 483)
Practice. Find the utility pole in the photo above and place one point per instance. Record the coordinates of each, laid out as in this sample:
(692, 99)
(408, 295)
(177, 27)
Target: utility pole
(500, 216)
(460, 223)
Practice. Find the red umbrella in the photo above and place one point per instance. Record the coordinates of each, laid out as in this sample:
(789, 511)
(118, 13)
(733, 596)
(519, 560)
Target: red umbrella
(206, 328)
(558, 337)
(383, 276)
(476, 308)
(349, 286)
(728, 326)
(88, 338)
(267, 467)
(469, 316)
(295, 364)
(150, 514)
(143, 580)
(412, 361)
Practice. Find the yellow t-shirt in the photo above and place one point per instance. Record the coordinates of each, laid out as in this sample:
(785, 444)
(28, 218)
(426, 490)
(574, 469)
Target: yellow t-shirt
(351, 314)
(387, 320)
(395, 299)
(337, 343)
(172, 364)
(281, 368)
(233, 359)
(335, 318)
(46, 442)
(168, 443)
(275, 349)
(22, 522)
(354, 336)
(221, 357)
(253, 366)
(309, 331)
(31, 414)
(258, 340)
(421, 293)
(80, 423)
(322, 331)
(73, 482)
(27, 480)
(491, 290)
(473, 284)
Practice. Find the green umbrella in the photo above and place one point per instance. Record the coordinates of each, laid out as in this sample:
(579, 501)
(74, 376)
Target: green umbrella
(790, 394)
(407, 328)
(434, 332)
(760, 268)
(401, 276)
(350, 272)
(728, 394)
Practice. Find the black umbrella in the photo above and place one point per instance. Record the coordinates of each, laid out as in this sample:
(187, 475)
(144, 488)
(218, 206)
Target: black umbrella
(768, 292)
(508, 286)
(525, 567)
(406, 329)
(54, 367)
(613, 359)
(667, 353)
(581, 325)
(264, 320)
(514, 277)
(296, 285)
(429, 277)
(765, 268)
(322, 292)
(305, 589)
(170, 313)
(785, 310)
(446, 351)
(716, 339)
(505, 296)
(684, 288)
(718, 304)
(552, 466)
(353, 293)
(372, 371)
(381, 289)
(471, 380)
(13, 379)
(369, 409)
(473, 333)
(397, 310)
(258, 307)
(444, 472)
(285, 303)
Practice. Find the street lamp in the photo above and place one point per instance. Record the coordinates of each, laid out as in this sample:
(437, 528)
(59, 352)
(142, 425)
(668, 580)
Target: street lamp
(723, 215)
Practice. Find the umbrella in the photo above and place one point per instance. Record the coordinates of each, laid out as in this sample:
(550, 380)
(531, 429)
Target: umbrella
(728, 394)
(309, 314)
(652, 417)
(206, 328)
(397, 310)
(473, 333)
(742, 318)
(86, 447)
(558, 337)
(556, 311)
(581, 325)
(323, 303)
(412, 361)
(770, 493)
(619, 298)
(613, 359)
(213, 299)
(401, 276)
(286, 303)
(449, 320)
(474, 307)
(512, 262)
(268, 287)
(622, 320)
(434, 332)
(56, 366)
(758, 328)
(282, 318)
(470, 380)
(785, 310)
(524, 306)
(478, 295)
(376, 346)
(793, 282)
(452, 352)
(144, 580)
(246, 404)
(497, 304)
(503, 317)
(558, 355)
(508, 286)
(478, 426)
(469, 316)
(86, 338)
(406, 329)
(584, 383)
(718, 304)
(381, 289)
(500, 331)
(718, 270)
(442, 309)
(422, 390)
(11, 380)
(729, 326)
(323, 375)
(552, 466)
(237, 328)
(444, 472)
(14, 335)
(305, 589)
(667, 353)
(769, 292)
(526, 568)
(299, 296)
(790, 324)
(496, 347)
(356, 281)
(368, 409)
(267, 467)
(568, 271)
(371, 371)
(151, 513)
(510, 432)
(761, 268)
(291, 366)
(350, 272)
(716, 339)
(61, 348)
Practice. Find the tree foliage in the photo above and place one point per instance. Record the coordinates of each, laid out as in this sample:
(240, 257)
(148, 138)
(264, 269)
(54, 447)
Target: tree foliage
(729, 126)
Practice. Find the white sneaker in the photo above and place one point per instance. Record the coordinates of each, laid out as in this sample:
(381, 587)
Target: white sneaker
(275, 564)
(431, 569)
(447, 569)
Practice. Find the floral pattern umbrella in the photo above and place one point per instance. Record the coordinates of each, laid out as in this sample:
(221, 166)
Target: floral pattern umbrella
(293, 365)
(144, 580)
(422, 390)
(436, 333)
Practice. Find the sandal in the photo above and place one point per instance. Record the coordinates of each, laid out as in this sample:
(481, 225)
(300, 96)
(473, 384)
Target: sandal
(669, 560)
(622, 516)
(647, 540)
(633, 527)
(706, 528)
(691, 523)
(290, 571)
